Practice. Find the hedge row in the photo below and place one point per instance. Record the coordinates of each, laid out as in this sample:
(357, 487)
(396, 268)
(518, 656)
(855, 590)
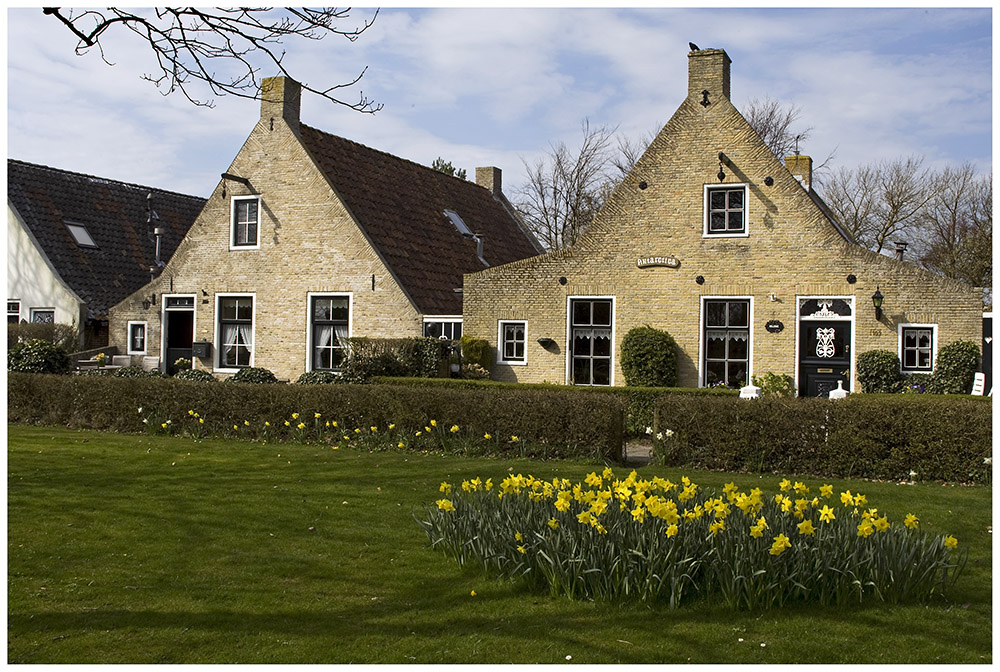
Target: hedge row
(548, 423)
(885, 437)
(638, 402)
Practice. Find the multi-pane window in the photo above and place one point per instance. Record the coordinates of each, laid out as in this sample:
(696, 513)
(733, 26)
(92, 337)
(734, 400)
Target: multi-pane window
(591, 341)
(512, 341)
(137, 338)
(727, 341)
(13, 312)
(917, 348)
(330, 316)
(43, 315)
(449, 330)
(235, 331)
(246, 218)
(725, 210)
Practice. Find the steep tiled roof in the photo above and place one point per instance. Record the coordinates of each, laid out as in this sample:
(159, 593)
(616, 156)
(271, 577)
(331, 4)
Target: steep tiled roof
(400, 206)
(115, 215)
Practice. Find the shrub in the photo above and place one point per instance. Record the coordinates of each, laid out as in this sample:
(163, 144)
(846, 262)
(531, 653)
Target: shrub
(37, 356)
(197, 375)
(878, 371)
(63, 336)
(182, 363)
(775, 385)
(317, 378)
(253, 374)
(474, 372)
(955, 368)
(746, 550)
(917, 383)
(476, 351)
(649, 358)
(883, 437)
(417, 357)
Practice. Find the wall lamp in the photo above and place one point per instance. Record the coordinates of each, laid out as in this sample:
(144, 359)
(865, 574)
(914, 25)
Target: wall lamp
(877, 299)
(149, 301)
(722, 174)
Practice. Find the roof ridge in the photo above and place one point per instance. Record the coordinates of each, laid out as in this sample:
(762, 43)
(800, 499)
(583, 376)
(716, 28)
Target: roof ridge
(104, 179)
(393, 156)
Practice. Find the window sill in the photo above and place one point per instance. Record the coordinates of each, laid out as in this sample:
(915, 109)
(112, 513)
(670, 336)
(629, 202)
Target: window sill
(709, 236)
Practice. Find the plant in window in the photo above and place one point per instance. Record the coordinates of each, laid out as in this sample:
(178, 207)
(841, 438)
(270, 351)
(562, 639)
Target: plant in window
(649, 358)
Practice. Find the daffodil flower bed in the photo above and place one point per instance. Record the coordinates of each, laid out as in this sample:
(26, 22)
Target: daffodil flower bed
(609, 538)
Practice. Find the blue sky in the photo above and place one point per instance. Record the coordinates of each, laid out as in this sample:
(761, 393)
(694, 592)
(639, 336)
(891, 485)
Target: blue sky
(497, 86)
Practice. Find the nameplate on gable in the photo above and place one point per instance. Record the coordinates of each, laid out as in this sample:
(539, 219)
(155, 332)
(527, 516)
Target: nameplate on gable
(650, 262)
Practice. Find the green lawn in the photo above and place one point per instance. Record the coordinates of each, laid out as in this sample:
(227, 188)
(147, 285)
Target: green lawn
(127, 549)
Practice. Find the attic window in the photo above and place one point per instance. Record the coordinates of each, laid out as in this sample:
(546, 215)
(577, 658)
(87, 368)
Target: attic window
(80, 234)
(457, 221)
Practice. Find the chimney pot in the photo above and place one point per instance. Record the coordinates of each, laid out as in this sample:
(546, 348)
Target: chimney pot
(801, 168)
(900, 249)
(280, 97)
(489, 178)
(708, 69)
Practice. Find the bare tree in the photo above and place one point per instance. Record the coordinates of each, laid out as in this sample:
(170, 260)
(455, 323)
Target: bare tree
(956, 227)
(878, 201)
(566, 188)
(222, 48)
(774, 121)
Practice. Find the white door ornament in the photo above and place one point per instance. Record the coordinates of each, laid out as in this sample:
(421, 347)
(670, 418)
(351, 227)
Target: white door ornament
(824, 342)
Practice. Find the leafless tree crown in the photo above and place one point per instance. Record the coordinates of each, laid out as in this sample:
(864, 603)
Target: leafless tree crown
(222, 48)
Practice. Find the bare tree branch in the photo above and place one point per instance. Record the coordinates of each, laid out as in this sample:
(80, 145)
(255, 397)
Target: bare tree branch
(773, 121)
(224, 49)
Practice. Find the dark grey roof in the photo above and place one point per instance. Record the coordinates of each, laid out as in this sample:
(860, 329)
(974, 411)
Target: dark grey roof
(114, 213)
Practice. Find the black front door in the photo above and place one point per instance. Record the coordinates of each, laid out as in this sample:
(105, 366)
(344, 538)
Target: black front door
(824, 357)
(178, 325)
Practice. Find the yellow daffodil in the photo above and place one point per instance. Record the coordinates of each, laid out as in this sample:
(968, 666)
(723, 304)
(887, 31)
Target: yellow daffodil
(418, 433)
(445, 487)
(860, 500)
(333, 424)
(373, 429)
(301, 425)
(806, 527)
(201, 421)
(672, 530)
(317, 415)
(514, 439)
(472, 593)
(454, 429)
(846, 498)
(246, 423)
(553, 523)
(521, 550)
(882, 524)
(236, 427)
(756, 531)
(189, 412)
(287, 424)
(487, 436)
(434, 423)
(519, 536)
(427, 429)
(445, 505)
(911, 521)
(267, 424)
(866, 528)
(295, 416)
(950, 542)
(826, 514)
(801, 488)
(717, 527)
(781, 543)
(401, 445)
(785, 485)
(357, 430)
(825, 490)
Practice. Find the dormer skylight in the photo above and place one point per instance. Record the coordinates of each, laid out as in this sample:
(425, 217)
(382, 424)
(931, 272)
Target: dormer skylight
(80, 234)
(457, 221)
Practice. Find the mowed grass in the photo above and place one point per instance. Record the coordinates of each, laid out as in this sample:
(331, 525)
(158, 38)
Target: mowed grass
(129, 549)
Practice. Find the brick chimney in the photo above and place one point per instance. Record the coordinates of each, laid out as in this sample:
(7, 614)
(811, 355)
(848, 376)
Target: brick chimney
(279, 99)
(708, 70)
(801, 168)
(489, 178)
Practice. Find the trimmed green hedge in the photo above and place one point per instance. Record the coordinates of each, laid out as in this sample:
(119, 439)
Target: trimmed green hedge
(547, 422)
(637, 401)
(883, 437)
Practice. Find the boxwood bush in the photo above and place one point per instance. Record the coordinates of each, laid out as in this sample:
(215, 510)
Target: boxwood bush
(37, 356)
(649, 358)
(873, 436)
(548, 422)
(878, 372)
(955, 368)
(198, 375)
(253, 374)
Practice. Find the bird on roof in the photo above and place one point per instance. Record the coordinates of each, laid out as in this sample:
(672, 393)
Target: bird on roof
(694, 47)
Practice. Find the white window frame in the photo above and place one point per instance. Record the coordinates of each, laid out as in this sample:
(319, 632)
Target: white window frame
(217, 359)
(934, 346)
(569, 335)
(705, 233)
(232, 223)
(445, 319)
(702, 345)
(33, 311)
(145, 337)
(9, 313)
(501, 343)
(309, 323)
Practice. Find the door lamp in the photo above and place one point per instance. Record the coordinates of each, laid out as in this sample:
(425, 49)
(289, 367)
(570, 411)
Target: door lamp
(877, 299)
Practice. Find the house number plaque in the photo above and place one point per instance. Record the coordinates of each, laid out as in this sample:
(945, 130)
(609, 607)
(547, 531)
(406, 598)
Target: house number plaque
(774, 326)
(649, 262)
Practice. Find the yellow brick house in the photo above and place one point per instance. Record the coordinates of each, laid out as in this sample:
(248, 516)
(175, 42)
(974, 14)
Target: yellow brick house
(310, 238)
(713, 239)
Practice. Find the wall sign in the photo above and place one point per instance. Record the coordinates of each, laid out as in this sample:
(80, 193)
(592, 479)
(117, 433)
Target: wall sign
(774, 326)
(648, 262)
